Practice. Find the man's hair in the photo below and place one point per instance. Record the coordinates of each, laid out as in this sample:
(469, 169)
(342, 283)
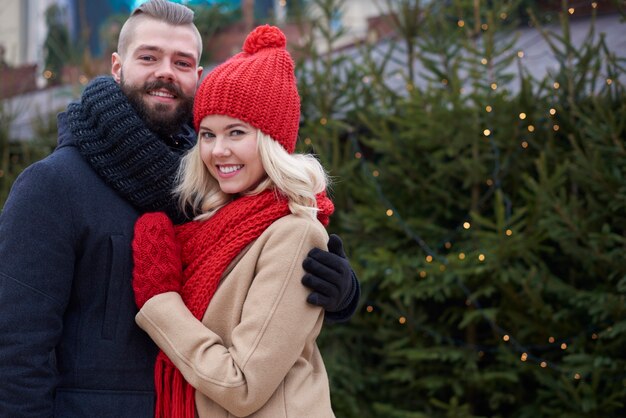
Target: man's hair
(162, 10)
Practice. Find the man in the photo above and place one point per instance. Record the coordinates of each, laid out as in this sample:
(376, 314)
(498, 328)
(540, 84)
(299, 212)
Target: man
(69, 345)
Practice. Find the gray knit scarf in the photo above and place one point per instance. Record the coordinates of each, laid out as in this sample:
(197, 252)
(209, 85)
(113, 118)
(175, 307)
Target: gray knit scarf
(130, 158)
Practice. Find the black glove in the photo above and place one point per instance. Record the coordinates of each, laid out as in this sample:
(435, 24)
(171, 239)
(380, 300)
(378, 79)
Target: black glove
(332, 280)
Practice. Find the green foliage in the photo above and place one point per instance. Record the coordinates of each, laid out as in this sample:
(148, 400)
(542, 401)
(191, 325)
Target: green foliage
(57, 45)
(490, 261)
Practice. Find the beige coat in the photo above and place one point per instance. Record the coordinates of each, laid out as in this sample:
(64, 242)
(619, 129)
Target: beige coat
(254, 353)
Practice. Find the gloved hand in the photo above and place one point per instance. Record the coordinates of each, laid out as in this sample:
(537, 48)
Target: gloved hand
(157, 259)
(330, 277)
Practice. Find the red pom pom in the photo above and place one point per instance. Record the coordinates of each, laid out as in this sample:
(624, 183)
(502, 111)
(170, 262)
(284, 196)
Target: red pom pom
(262, 37)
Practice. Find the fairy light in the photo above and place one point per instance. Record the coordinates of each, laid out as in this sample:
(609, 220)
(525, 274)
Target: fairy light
(551, 340)
(520, 54)
(460, 23)
(423, 274)
(524, 356)
(375, 173)
(307, 141)
(47, 74)
(594, 4)
(531, 128)
(484, 26)
(609, 81)
(481, 257)
(494, 86)
(484, 61)
(323, 121)
(429, 258)
(506, 338)
(369, 308)
(571, 10)
(524, 144)
(543, 364)
(563, 346)
(389, 212)
(489, 182)
(555, 128)
(594, 336)
(577, 376)
(556, 85)
(508, 232)
(503, 16)
(488, 108)
(486, 132)
(357, 155)
(552, 111)
(448, 245)
(466, 225)
(522, 116)
(402, 320)
(461, 256)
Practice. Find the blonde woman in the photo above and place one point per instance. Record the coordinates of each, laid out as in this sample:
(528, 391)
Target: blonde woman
(236, 339)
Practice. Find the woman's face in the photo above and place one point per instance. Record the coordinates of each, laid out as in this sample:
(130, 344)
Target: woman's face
(228, 148)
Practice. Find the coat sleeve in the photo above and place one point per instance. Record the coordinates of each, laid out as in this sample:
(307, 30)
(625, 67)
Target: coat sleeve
(275, 326)
(36, 266)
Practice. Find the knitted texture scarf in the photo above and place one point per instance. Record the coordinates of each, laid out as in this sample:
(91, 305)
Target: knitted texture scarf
(208, 247)
(128, 156)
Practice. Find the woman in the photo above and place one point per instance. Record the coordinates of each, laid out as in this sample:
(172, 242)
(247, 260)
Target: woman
(235, 336)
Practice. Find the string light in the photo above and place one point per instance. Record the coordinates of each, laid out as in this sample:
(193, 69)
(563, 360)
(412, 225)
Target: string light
(556, 85)
(609, 81)
(563, 346)
(555, 128)
(423, 274)
(552, 111)
(571, 10)
(594, 4)
(508, 232)
(307, 141)
(488, 109)
(448, 245)
(323, 121)
(520, 54)
(551, 340)
(402, 320)
(484, 61)
(369, 308)
(486, 132)
(484, 26)
(429, 258)
(531, 128)
(389, 212)
(543, 364)
(481, 257)
(524, 144)
(460, 23)
(524, 356)
(522, 116)
(461, 256)
(494, 86)
(375, 173)
(466, 225)
(357, 155)
(506, 338)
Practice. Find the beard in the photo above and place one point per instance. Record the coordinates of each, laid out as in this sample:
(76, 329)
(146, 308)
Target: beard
(159, 118)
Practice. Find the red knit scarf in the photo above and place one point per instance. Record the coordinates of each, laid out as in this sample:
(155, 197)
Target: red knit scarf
(208, 247)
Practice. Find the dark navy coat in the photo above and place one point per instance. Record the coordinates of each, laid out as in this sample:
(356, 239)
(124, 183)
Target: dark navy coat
(70, 347)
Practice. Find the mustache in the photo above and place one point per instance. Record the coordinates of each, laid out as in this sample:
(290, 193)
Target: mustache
(160, 84)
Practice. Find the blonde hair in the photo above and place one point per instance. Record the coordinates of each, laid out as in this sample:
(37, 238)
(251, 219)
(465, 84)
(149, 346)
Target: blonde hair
(162, 10)
(298, 177)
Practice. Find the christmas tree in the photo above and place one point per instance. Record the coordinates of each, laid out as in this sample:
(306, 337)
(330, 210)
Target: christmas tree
(483, 207)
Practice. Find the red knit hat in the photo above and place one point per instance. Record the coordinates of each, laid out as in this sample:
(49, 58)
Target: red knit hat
(257, 86)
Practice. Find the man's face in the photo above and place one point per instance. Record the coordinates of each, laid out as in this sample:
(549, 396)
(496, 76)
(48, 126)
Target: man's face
(159, 73)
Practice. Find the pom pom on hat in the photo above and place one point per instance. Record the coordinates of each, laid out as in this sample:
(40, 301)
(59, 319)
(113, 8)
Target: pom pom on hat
(257, 86)
(262, 37)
